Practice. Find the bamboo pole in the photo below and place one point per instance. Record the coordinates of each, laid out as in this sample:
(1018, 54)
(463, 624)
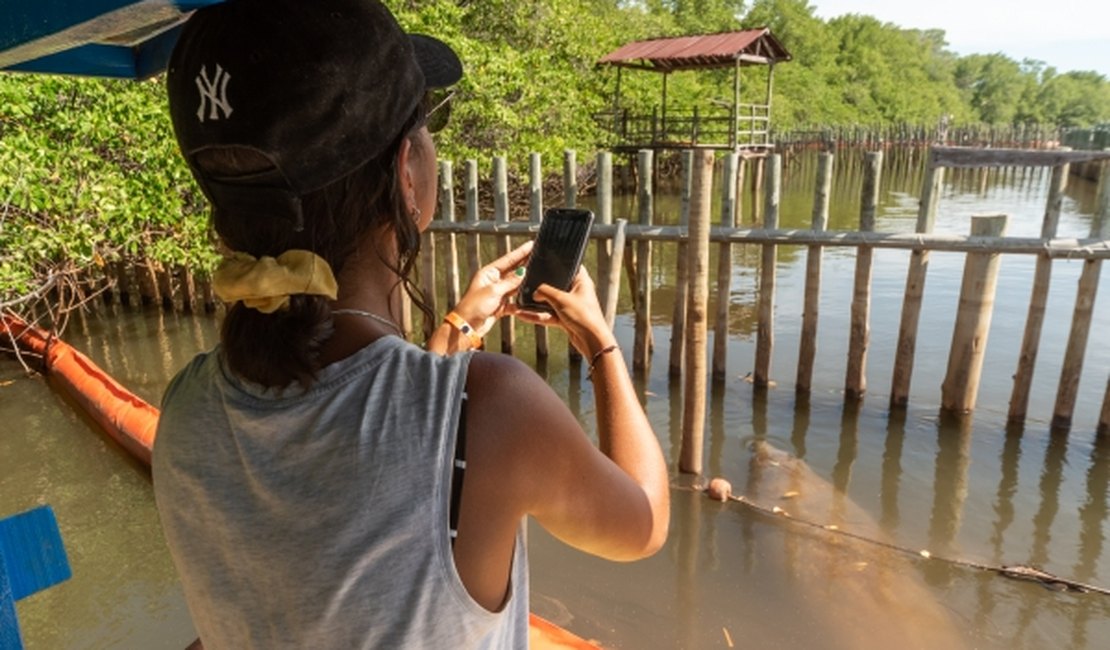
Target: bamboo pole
(859, 336)
(535, 215)
(693, 417)
(473, 257)
(1038, 300)
(729, 212)
(915, 289)
(973, 320)
(1072, 369)
(447, 213)
(682, 275)
(807, 351)
(613, 279)
(765, 329)
(501, 216)
(641, 347)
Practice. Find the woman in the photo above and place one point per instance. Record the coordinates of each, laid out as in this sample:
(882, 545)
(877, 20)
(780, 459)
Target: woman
(321, 481)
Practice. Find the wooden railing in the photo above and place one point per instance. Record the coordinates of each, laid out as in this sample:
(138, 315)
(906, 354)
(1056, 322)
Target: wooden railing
(982, 247)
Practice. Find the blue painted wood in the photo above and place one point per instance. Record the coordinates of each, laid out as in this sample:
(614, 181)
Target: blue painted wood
(32, 552)
(40, 27)
(9, 626)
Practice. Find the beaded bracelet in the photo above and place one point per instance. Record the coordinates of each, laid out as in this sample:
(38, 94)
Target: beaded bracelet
(458, 322)
(597, 355)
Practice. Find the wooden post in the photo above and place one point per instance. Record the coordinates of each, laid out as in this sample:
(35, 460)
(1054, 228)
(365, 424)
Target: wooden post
(447, 213)
(570, 178)
(765, 329)
(1104, 414)
(501, 217)
(682, 274)
(859, 337)
(570, 196)
(188, 289)
(1038, 301)
(693, 403)
(973, 319)
(428, 281)
(724, 266)
(535, 215)
(1084, 307)
(604, 217)
(148, 284)
(613, 280)
(473, 259)
(165, 285)
(807, 351)
(915, 289)
(641, 347)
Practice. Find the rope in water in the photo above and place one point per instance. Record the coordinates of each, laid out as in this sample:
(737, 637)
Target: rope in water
(1013, 571)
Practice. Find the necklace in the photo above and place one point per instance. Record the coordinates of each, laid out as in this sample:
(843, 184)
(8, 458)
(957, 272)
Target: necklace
(358, 312)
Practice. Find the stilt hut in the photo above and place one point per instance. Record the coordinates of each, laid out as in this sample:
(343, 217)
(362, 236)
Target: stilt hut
(740, 126)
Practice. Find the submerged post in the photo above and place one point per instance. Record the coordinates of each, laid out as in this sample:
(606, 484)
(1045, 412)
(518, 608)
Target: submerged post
(535, 215)
(973, 319)
(808, 348)
(641, 345)
(682, 271)
(473, 259)
(1038, 300)
(859, 337)
(447, 213)
(724, 266)
(915, 287)
(697, 316)
(765, 329)
(501, 217)
(1084, 307)
(604, 218)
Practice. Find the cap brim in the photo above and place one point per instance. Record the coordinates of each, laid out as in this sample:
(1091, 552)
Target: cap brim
(440, 64)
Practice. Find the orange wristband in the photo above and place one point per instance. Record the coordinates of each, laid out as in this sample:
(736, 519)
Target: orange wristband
(459, 323)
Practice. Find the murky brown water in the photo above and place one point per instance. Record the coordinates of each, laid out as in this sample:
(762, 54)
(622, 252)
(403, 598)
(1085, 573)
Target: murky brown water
(975, 489)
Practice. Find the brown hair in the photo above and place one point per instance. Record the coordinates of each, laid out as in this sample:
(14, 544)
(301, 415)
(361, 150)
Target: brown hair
(276, 349)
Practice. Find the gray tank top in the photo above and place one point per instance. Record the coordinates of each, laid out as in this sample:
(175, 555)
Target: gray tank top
(319, 518)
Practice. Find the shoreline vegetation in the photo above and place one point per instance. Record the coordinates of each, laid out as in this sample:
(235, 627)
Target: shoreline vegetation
(90, 174)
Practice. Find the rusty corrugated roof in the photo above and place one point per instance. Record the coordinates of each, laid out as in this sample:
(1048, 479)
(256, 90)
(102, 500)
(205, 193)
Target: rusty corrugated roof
(702, 51)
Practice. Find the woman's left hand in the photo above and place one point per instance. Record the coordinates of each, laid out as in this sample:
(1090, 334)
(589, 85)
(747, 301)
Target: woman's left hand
(491, 290)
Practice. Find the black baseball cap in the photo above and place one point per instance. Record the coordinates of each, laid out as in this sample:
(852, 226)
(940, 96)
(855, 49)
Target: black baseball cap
(317, 87)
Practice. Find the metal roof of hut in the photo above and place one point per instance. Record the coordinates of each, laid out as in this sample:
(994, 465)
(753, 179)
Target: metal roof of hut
(705, 51)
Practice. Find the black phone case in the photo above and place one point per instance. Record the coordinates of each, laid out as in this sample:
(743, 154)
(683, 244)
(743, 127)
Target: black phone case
(557, 254)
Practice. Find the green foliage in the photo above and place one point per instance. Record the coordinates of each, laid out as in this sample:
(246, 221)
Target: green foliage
(89, 169)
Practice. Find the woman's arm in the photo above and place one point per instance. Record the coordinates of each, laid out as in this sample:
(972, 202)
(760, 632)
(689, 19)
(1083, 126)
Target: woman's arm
(486, 300)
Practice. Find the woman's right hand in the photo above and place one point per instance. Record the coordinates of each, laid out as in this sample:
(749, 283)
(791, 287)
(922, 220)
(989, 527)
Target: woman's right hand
(577, 311)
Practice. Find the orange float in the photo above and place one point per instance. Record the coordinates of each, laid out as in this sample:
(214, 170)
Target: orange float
(132, 422)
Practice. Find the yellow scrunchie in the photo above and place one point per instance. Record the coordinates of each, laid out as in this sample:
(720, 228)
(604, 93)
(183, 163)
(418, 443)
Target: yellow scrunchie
(265, 284)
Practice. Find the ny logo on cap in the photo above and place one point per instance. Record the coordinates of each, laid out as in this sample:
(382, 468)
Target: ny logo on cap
(213, 94)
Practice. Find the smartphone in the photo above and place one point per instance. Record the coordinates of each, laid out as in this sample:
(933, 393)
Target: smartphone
(557, 254)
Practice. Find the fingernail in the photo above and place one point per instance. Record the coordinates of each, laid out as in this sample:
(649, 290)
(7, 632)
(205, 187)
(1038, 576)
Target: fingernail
(519, 271)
